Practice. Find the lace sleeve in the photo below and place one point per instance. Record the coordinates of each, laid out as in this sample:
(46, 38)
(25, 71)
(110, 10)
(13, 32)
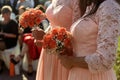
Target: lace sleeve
(76, 10)
(108, 24)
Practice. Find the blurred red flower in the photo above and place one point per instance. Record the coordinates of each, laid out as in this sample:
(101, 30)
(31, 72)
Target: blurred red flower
(31, 18)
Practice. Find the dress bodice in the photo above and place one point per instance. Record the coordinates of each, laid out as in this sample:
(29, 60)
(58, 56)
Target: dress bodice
(61, 13)
(85, 36)
(60, 16)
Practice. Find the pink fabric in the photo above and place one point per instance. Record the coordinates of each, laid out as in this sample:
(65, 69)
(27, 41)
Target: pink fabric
(88, 40)
(96, 37)
(63, 13)
(59, 13)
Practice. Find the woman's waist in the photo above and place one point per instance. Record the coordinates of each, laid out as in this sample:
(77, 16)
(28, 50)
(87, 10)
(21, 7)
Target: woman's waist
(84, 50)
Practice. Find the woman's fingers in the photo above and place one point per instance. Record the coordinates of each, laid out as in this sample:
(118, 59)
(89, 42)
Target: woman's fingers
(38, 33)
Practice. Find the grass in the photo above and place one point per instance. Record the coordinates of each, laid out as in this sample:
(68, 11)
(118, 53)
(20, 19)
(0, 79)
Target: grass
(117, 64)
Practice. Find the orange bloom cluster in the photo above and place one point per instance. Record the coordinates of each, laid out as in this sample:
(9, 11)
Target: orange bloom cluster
(57, 40)
(31, 17)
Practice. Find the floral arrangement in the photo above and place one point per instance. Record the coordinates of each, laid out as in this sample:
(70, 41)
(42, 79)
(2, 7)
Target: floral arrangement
(57, 40)
(31, 17)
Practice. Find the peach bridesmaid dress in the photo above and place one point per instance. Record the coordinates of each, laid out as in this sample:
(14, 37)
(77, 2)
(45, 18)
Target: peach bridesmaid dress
(59, 13)
(96, 37)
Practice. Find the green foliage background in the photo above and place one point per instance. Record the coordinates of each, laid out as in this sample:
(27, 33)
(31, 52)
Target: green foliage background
(117, 64)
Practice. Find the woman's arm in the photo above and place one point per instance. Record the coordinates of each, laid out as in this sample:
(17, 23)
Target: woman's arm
(70, 61)
(9, 35)
(107, 40)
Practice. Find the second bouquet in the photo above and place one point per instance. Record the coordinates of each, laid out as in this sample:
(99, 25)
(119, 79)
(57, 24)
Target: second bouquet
(31, 18)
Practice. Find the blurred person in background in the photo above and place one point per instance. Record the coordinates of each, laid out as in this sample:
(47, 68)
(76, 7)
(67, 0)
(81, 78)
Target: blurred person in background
(9, 30)
(59, 13)
(12, 16)
(25, 3)
(32, 3)
(12, 4)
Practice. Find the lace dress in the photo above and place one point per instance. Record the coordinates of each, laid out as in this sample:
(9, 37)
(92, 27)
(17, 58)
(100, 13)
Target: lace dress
(96, 37)
(59, 13)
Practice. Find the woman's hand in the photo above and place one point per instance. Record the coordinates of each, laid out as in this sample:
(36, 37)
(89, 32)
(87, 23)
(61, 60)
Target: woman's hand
(38, 33)
(38, 43)
(66, 57)
(71, 61)
(67, 51)
(66, 61)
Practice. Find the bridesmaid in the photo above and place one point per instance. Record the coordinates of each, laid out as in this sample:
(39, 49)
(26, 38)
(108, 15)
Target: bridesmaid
(59, 13)
(95, 39)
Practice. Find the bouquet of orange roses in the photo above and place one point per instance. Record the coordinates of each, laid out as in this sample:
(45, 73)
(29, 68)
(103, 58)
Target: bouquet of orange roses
(31, 17)
(57, 40)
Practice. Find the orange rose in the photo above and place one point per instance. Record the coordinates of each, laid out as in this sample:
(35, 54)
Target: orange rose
(31, 18)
